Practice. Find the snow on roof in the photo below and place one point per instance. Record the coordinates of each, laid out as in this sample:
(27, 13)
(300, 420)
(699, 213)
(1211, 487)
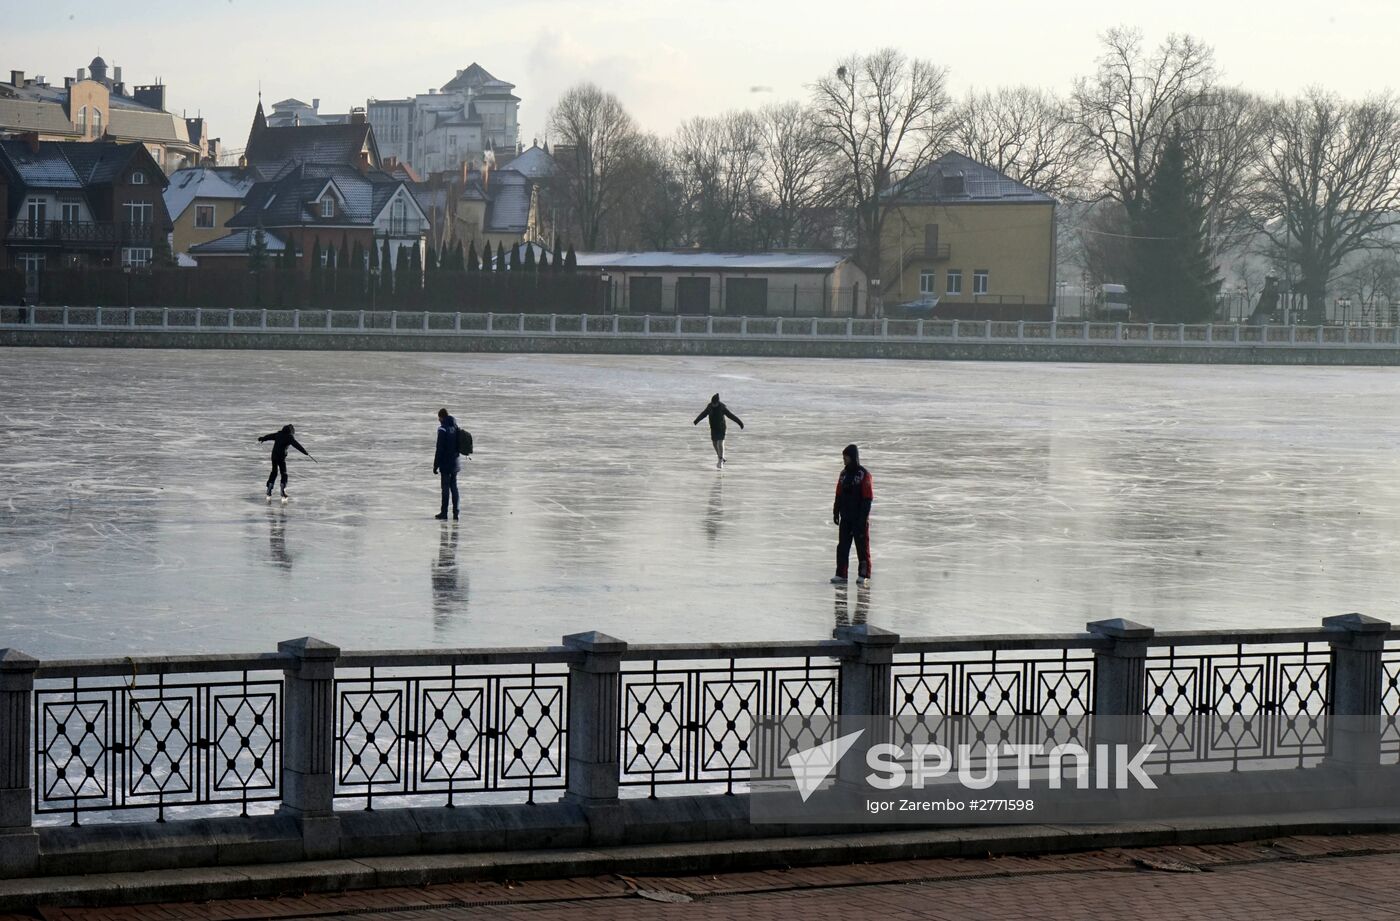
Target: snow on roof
(733, 262)
(205, 182)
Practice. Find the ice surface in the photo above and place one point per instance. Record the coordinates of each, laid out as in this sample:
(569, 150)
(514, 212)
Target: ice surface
(1009, 497)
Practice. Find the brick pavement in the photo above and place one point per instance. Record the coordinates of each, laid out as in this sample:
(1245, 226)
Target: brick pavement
(1354, 877)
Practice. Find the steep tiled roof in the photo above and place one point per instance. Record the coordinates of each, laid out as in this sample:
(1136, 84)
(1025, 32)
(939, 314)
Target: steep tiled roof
(271, 148)
(534, 162)
(507, 194)
(238, 243)
(288, 201)
(475, 75)
(46, 168)
(223, 182)
(955, 178)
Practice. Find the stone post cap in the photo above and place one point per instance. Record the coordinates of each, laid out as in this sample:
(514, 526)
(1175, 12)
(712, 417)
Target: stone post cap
(1355, 623)
(12, 660)
(1120, 628)
(596, 643)
(308, 647)
(866, 635)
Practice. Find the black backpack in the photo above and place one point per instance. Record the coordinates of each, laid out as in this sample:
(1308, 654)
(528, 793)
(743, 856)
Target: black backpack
(464, 441)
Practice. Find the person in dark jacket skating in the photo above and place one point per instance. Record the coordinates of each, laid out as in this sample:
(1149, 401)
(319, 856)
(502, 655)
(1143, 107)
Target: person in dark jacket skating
(717, 412)
(854, 495)
(281, 439)
(447, 461)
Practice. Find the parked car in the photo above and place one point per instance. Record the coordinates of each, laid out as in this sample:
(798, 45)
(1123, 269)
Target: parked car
(915, 310)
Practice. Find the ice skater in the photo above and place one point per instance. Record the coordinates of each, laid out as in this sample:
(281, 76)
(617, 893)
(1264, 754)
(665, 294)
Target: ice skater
(851, 512)
(447, 461)
(717, 411)
(281, 440)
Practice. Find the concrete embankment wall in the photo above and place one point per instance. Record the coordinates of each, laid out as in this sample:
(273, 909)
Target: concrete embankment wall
(747, 346)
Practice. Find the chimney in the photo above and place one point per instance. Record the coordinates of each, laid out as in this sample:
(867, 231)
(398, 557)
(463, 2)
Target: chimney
(17, 78)
(41, 81)
(364, 163)
(153, 96)
(81, 76)
(116, 75)
(357, 116)
(315, 104)
(31, 139)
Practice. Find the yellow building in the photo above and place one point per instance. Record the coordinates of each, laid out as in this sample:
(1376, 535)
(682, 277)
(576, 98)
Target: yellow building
(200, 199)
(963, 240)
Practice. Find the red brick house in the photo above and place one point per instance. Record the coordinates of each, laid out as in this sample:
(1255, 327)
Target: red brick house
(73, 204)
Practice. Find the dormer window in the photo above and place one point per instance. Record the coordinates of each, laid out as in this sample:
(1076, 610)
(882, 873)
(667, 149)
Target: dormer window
(138, 178)
(328, 207)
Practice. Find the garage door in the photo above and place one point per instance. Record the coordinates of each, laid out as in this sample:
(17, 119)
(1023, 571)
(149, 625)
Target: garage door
(644, 295)
(692, 295)
(746, 296)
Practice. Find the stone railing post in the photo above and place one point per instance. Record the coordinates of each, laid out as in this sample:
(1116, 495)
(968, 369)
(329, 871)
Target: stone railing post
(595, 732)
(1120, 671)
(19, 842)
(866, 689)
(1120, 681)
(308, 743)
(1355, 688)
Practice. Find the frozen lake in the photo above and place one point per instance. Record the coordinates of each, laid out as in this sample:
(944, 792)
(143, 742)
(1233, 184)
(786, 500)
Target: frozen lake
(1009, 498)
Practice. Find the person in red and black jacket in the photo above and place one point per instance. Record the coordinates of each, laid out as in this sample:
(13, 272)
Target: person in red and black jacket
(854, 495)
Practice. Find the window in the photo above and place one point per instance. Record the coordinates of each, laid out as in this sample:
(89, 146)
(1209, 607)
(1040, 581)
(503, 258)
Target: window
(327, 257)
(979, 281)
(82, 121)
(328, 207)
(955, 281)
(72, 212)
(138, 212)
(204, 215)
(398, 218)
(36, 211)
(928, 281)
(138, 178)
(452, 142)
(136, 256)
(97, 122)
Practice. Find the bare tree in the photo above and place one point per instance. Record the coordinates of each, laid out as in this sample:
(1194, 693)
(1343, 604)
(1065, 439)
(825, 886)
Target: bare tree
(1329, 184)
(1133, 103)
(882, 117)
(598, 139)
(1223, 137)
(651, 217)
(794, 170)
(1027, 134)
(721, 160)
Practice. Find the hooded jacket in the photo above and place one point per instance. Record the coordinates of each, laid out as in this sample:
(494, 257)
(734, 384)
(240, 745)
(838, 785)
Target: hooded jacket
(717, 411)
(281, 440)
(446, 459)
(854, 490)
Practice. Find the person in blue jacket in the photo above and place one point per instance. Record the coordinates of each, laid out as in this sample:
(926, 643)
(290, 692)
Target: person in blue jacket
(447, 462)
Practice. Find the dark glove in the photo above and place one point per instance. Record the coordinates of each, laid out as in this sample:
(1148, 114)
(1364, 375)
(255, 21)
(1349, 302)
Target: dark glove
(836, 518)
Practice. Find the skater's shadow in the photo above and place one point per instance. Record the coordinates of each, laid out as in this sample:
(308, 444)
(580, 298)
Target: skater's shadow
(714, 514)
(277, 538)
(449, 584)
(845, 617)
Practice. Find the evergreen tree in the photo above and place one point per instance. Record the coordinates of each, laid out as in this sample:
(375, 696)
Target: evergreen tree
(317, 279)
(1172, 278)
(515, 255)
(472, 263)
(342, 270)
(386, 272)
(357, 272)
(570, 260)
(415, 259)
(530, 264)
(415, 276)
(558, 263)
(257, 254)
(500, 256)
(544, 261)
(401, 275)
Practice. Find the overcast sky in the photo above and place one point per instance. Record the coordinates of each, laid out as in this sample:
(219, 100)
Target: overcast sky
(666, 60)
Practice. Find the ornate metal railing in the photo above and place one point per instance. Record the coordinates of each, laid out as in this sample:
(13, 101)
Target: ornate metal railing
(315, 729)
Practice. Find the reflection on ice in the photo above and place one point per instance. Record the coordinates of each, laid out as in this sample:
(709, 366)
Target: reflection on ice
(1008, 498)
